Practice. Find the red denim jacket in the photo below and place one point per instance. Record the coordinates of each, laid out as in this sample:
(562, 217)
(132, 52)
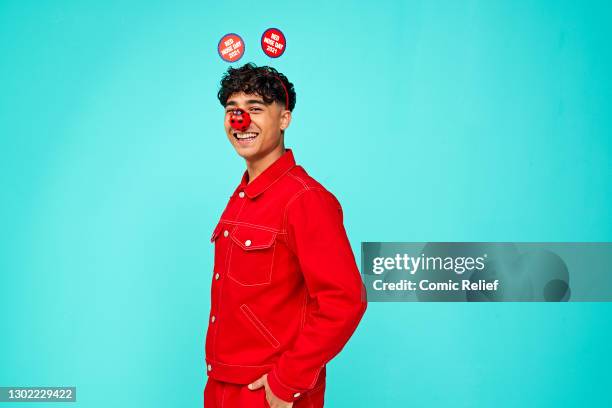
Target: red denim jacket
(286, 293)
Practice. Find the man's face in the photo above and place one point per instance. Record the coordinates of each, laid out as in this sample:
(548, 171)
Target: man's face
(267, 121)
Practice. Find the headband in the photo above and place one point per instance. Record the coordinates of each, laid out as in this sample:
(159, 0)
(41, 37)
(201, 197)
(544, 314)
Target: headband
(285, 89)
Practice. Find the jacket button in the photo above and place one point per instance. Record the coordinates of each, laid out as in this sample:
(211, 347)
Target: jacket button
(209, 367)
(241, 194)
(217, 276)
(297, 394)
(213, 319)
(247, 242)
(225, 233)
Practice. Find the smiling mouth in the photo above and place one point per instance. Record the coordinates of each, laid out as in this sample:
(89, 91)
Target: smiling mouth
(245, 136)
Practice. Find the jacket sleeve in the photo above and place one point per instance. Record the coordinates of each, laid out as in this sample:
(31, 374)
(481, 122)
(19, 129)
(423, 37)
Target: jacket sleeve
(316, 234)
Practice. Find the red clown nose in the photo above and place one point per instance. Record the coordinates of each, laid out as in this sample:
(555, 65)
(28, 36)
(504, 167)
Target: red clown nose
(240, 119)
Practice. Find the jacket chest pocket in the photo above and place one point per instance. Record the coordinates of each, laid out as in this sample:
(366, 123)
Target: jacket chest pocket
(251, 255)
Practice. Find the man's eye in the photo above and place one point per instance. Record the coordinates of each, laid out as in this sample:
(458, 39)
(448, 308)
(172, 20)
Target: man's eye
(255, 109)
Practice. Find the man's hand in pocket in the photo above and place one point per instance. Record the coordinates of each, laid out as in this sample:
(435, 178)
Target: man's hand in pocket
(272, 399)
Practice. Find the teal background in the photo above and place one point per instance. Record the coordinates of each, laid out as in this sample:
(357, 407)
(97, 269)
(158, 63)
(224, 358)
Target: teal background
(429, 120)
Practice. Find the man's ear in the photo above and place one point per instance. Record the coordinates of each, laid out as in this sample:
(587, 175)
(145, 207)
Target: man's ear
(285, 119)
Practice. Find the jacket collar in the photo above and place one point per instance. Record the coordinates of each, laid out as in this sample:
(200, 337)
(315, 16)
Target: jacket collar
(271, 174)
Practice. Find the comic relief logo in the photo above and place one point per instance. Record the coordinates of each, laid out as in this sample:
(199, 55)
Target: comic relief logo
(231, 47)
(273, 42)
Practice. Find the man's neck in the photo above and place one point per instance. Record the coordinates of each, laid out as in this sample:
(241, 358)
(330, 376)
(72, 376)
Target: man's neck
(255, 168)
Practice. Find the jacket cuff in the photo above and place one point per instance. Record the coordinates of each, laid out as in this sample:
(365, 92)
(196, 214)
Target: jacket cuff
(282, 391)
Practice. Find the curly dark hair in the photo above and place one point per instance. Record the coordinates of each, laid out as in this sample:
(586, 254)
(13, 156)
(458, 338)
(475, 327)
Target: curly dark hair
(251, 79)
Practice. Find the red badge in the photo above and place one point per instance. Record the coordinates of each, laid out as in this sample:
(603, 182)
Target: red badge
(273, 42)
(231, 47)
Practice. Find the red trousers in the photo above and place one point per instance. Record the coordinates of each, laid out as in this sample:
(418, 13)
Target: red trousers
(219, 394)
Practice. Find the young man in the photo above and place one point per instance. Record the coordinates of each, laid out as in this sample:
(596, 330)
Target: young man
(286, 293)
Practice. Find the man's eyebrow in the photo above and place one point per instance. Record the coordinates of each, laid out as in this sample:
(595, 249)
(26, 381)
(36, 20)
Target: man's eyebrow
(249, 102)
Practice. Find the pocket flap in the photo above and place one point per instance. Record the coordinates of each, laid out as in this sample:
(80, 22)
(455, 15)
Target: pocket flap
(251, 238)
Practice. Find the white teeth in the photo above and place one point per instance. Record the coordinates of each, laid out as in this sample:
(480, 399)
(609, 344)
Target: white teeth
(250, 135)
